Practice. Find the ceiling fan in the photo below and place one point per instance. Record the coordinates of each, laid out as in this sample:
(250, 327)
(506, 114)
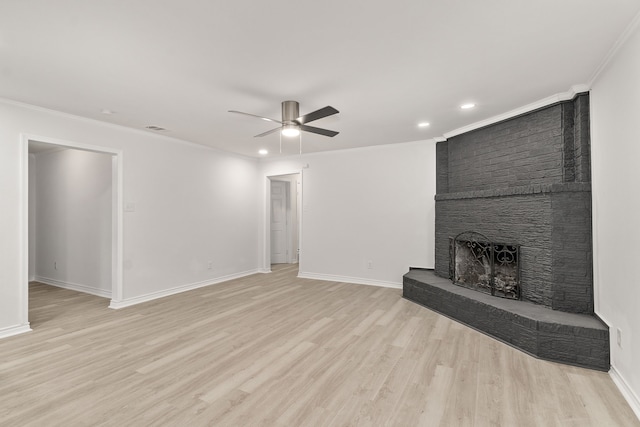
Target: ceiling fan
(292, 122)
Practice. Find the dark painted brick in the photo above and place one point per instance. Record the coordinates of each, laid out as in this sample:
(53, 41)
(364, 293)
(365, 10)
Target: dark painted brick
(525, 181)
(576, 339)
(442, 167)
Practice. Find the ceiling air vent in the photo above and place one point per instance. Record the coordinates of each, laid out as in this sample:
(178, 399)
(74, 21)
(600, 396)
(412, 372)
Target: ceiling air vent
(156, 128)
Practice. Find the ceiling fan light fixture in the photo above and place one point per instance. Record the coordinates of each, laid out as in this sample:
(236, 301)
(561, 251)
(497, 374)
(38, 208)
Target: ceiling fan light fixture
(293, 123)
(290, 131)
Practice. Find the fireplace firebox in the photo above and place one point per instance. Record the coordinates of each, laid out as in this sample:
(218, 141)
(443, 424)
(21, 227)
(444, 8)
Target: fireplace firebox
(485, 266)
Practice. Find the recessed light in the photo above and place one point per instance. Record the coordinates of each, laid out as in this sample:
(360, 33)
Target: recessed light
(106, 111)
(263, 152)
(423, 124)
(467, 106)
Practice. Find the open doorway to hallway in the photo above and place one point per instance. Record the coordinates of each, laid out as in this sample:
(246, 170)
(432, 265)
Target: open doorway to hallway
(71, 223)
(284, 214)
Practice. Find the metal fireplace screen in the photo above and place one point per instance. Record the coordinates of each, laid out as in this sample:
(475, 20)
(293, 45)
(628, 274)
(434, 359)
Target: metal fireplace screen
(479, 264)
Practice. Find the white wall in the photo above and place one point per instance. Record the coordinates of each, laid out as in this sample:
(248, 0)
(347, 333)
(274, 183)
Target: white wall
(615, 124)
(192, 205)
(73, 220)
(372, 204)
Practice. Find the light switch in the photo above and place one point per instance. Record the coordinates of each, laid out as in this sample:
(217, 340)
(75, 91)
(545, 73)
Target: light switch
(130, 207)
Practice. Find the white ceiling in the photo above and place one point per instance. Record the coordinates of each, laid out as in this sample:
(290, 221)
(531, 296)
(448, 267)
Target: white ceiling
(181, 64)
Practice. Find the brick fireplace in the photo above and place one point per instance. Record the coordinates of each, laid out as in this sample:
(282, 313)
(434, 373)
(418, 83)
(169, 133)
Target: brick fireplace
(525, 182)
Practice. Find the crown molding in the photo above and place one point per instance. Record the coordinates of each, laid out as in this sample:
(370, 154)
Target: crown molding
(633, 25)
(122, 128)
(265, 160)
(545, 102)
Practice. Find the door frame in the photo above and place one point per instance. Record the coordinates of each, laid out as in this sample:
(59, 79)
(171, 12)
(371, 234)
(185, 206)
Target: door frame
(117, 187)
(266, 261)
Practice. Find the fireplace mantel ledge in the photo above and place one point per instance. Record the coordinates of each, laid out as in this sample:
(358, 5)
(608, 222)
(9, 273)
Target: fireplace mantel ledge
(517, 191)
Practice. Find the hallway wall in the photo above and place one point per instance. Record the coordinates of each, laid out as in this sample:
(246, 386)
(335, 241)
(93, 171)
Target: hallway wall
(73, 203)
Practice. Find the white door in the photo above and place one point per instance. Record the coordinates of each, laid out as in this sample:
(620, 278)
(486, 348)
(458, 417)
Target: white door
(279, 222)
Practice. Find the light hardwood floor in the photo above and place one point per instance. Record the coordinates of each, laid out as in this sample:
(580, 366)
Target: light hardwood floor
(275, 350)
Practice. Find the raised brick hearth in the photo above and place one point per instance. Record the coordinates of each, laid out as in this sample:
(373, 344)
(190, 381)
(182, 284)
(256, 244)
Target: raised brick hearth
(524, 181)
(575, 339)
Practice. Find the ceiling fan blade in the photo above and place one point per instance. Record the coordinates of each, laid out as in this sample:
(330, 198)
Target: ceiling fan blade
(318, 114)
(253, 115)
(319, 131)
(269, 132)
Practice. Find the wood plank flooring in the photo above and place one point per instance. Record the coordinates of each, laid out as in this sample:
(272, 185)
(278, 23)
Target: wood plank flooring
(275, 350)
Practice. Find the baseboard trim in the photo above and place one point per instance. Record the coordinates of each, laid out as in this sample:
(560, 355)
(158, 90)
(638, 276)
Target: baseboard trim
(14, 330)
(73, 286)
(347, 279)
(178, 289)
(626, 391)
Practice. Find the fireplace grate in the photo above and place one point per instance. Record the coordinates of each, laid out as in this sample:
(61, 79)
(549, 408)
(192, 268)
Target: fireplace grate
(477, 263)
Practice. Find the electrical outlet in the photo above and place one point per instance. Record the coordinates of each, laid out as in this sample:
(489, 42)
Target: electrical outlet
(619, 337)
(210, 265)
(369, 264)
(55, 265)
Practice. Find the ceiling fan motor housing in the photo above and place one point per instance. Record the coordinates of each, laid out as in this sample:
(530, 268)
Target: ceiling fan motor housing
(290, 112)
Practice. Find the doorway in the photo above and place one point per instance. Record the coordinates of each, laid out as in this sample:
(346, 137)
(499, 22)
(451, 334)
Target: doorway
(285, 203)
(280, 221)
(111, 226)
